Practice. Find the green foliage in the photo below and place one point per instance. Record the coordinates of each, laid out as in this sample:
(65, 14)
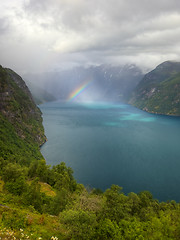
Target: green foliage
(119, 201)
(13, 148)
(108, 230)
(61, 177)
(17, 187)
(12, 171)
(85, 215)
(133, 229)
(14, 178)
(39, 169)
(33, 196)
(81, 224)
(59, 202)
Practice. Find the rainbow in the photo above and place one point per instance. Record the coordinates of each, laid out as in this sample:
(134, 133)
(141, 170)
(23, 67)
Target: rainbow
(78, 91)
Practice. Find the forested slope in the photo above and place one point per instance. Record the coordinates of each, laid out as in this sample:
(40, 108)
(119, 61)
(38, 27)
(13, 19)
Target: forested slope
(159, 90)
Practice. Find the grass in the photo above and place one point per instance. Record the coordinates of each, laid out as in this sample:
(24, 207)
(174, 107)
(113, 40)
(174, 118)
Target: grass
(35, 225)
(47, 189)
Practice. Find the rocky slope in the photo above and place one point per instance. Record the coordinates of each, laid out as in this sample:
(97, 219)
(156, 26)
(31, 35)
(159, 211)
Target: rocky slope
(159, 90)
(21, 129)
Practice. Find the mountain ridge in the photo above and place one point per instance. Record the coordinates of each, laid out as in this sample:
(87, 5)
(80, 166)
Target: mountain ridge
(108, 82)
(158, 91)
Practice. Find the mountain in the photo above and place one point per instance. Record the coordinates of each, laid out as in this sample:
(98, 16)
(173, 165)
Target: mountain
(40, 95)
(159, 90)
(106, 82)
(21, 129)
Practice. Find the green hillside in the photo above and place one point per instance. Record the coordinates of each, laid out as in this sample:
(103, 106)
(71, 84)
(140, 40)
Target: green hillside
(21, 129)
(40, 202)
(159, 91)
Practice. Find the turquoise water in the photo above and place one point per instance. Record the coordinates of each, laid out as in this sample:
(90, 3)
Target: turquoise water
(109, 144)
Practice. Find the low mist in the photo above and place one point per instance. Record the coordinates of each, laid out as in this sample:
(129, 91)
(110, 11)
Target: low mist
(105, 83)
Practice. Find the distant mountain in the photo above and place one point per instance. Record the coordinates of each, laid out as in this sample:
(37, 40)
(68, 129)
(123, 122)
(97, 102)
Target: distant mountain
(159, 90)
(21, 129)
(111, 83)
(39, 95)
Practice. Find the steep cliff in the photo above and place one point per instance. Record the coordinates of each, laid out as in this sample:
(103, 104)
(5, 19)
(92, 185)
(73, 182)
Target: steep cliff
(21, 129)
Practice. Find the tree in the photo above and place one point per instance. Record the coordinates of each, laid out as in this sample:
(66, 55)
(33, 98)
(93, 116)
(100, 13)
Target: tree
(108, 230)
(14, 178)
(62, 177)
(33, 195)
(116, 205)
(81, 224)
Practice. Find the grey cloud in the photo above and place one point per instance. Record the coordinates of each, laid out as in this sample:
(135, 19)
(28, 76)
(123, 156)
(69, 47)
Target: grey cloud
(80, 12)
(97, 31)
(36, 6)
(4, 25)
(106, 20)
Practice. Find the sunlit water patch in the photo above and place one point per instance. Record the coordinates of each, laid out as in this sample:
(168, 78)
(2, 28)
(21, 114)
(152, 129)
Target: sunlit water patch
(136, 117)
(115, 144)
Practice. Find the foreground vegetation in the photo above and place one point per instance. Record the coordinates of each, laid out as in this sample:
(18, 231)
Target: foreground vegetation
(39, 202)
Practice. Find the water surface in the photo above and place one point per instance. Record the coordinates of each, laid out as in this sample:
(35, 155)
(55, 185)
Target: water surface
(109, 144)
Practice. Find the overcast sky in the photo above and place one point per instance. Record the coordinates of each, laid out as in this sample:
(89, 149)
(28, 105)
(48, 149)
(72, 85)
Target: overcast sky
(45, 35)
